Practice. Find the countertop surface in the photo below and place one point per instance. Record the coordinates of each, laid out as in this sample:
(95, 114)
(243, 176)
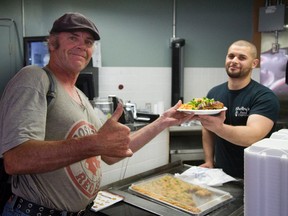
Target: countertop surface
(190, 127)
(135, 205)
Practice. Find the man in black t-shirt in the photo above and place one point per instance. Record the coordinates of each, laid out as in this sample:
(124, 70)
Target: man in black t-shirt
(251, 116)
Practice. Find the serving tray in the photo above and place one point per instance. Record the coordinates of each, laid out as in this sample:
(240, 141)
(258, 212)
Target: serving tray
(169, 190)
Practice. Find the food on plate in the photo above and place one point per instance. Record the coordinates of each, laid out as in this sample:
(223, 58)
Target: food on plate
(203, 103)
(173, 191)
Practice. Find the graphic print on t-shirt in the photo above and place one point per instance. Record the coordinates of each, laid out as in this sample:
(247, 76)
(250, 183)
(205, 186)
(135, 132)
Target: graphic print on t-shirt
(86, 174)
(242, 111)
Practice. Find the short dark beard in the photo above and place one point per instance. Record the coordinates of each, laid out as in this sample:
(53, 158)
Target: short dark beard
(240, 74)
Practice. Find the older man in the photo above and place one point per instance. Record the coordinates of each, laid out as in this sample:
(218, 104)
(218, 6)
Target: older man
(53, 152)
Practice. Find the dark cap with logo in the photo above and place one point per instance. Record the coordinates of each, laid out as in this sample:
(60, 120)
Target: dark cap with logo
(71, 22)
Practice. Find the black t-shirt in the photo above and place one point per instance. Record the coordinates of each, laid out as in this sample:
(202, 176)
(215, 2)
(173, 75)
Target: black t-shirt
(252, 99)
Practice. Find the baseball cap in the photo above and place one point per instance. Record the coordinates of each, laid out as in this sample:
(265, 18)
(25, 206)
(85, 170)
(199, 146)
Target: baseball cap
(70, 22)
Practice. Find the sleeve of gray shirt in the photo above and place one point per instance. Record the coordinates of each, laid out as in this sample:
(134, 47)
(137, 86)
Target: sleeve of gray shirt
(23, 108)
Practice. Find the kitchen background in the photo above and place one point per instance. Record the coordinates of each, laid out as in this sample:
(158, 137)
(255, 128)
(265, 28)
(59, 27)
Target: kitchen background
(136, 44)
(135, 41)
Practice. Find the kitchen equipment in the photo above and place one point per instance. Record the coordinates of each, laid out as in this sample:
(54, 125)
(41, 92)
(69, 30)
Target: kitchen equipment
(146, 117)
(115, 101)
(137, 205)
(131, 107)
(186, 144)
(128, 113)
(139, 116)
(105, 104)
(174, 192)
(266, 178)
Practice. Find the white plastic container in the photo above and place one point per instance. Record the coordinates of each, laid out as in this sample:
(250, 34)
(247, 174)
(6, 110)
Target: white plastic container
(266, 178)
(281, 134)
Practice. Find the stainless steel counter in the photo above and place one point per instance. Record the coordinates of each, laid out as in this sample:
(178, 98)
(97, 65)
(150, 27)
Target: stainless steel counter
(134, 205)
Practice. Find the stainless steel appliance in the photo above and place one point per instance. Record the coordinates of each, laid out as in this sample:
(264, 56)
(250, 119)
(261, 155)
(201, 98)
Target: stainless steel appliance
(186, 144)
(130, 116)
(127, 116)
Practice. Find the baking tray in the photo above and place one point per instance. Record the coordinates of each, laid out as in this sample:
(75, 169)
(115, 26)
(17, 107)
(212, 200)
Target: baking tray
(169, 190)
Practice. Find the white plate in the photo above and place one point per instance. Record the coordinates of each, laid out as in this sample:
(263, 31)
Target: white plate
(203, 112)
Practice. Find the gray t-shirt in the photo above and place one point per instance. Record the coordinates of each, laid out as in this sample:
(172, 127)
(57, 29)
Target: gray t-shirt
(25, 115)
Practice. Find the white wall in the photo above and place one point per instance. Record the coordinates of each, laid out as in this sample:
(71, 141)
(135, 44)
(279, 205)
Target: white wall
(153, 154)
(141, 85)
(153, 85)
